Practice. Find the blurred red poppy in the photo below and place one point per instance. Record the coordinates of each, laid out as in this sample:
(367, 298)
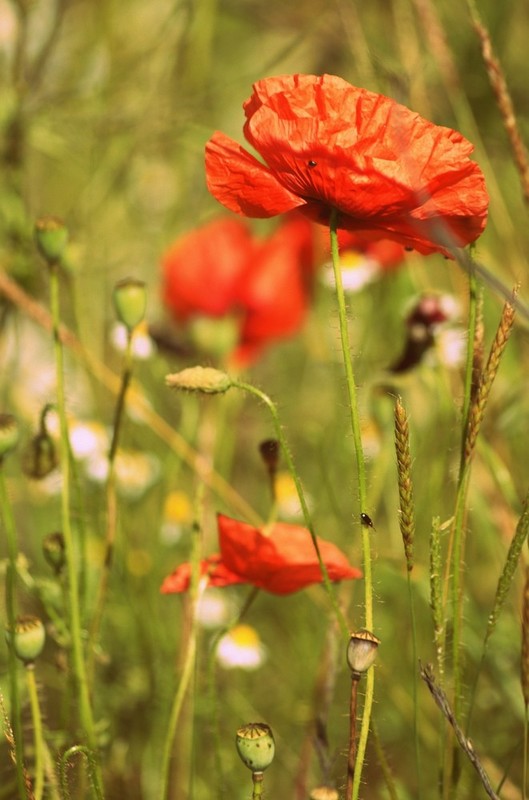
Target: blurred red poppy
(328, 144)
(221, 269)
(280, 560)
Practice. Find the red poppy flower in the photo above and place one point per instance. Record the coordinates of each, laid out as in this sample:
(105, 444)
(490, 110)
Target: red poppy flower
(280, 560)
(221, 269)
(328, 144)
(387, 254)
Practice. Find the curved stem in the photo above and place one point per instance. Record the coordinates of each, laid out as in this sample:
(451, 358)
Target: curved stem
(247, 387)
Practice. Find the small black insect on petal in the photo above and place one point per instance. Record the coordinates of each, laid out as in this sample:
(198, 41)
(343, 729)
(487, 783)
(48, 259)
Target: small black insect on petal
(312, 164)
(366, 520)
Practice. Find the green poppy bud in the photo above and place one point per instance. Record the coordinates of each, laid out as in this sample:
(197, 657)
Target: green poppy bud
(361, 652)
(9, 434)
(130, 301)
(51, 236)
(53, 548)
(40, 457)
(200, 379)
(28, 638)
(255, 745)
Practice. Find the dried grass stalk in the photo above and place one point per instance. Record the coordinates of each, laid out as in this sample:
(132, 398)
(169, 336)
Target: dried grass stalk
(407, 511)
(503, 100)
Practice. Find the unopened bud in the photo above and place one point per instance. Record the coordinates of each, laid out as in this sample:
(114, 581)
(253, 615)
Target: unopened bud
(256, 746)
(361, 652)
(53, 548)
(51, 236)
(40, 457)
(200, 379)
(27, 639)
(130, 301)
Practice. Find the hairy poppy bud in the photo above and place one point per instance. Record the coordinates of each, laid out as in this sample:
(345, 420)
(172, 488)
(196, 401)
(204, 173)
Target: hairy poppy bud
(40, 457)
(130, 301)
(27, 639)
(51, 236)
(361, 652)
(255, 745)
(200, 379)
(9, 433)
(53, 548)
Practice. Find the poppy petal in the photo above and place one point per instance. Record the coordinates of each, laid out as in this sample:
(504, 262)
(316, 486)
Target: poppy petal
(213, 566)
(242, 184)
(281, 561)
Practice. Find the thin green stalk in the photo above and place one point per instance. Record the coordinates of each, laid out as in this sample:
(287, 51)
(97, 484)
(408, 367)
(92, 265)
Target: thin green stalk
(461, 499)
(415, 686)
(247, 387)
(92, 769)
(38, 736)
(362, 490)
(111, 506)
(188, 667)
(10, 531)
(78, 659)
(525, 741)
(257, 781)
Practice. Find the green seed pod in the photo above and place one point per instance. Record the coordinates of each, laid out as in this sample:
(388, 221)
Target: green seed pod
(361, 651)
(53, 548)
(200, 379)
(51, 236)
(40, 457)
(28, 639)
(255, 745)
(9, 434)
(130, 301)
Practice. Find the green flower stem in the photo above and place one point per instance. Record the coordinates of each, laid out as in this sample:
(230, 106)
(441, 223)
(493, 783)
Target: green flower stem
(257, 780)
(79, 666)
(525, 743)
(10, 531)
(38, 737)
(362, 489)
(301, 495)
(188, 668)
(92, 767)
(461, 501)
(111, 506)
(415, 686)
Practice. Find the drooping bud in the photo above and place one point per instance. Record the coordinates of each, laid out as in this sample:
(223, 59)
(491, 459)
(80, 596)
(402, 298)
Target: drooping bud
(28, 638)
(269, 450)
(200, 379)
(53, 548)
(40, 457)
(256, 746)
(51, 236)
(361, 652)
(130, 301)
(9, 434)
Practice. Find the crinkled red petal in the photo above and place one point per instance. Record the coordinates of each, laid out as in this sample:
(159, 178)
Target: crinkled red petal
(282, 560)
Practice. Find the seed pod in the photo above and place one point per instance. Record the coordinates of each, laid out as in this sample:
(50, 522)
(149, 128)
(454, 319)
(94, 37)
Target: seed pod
(361, 652)
(130, 301)
(28, 638)
(255, 745)
(51, 236)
